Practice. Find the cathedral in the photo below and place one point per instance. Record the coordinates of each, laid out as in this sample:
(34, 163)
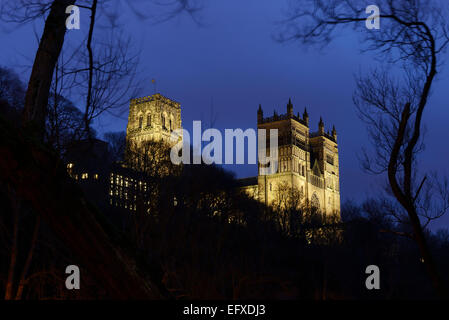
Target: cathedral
(308, 164)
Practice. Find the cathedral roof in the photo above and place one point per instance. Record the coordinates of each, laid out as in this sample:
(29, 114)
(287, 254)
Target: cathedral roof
(244, 182)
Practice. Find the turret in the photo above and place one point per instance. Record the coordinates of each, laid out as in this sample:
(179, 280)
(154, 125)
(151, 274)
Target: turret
(321, 126)
(305, 116)
(259, 114)
(290, 108)
(334, 133)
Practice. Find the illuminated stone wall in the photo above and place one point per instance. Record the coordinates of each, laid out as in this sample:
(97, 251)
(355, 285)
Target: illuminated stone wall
(308, 169)
(152, 118)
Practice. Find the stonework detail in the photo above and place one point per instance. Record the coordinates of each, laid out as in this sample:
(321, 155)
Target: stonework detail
(152, 118)
(308, 164)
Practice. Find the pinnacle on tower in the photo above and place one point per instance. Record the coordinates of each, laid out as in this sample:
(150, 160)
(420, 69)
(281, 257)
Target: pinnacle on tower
(260, 114)
(290, 108)
(334, 133)
(321, 126)
(305, 116)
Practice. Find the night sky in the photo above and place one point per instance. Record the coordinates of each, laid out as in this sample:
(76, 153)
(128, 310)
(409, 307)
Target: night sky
(225, 67)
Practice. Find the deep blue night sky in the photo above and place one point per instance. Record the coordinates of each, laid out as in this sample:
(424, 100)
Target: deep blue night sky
(231, 63)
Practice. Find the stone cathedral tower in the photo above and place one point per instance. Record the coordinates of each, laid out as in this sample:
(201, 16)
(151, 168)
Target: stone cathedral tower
(308, 163)
(152, 118)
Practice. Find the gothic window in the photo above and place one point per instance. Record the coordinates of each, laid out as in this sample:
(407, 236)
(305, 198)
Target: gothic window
(171, 128)
(303, 171)
(140, 121)
(148, 120)
(163, 121)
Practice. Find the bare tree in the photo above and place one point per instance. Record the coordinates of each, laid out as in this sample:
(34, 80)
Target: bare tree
(65, 124)
(117, 144)
(96, 246)
(151, 157)
(414, 34)
(105, 70)
(50, 46)
(11, 88)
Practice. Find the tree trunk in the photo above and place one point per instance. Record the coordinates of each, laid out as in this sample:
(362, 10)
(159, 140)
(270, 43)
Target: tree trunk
(22, 279)
(14, 246)
(50, 45)
(407, 202)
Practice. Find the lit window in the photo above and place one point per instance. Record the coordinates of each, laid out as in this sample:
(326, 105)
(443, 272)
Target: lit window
(69, 165)
(96, 176)
(84, 175)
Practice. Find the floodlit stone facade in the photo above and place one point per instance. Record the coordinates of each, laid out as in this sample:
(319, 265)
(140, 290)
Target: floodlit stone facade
(308, 167)
(152, 118)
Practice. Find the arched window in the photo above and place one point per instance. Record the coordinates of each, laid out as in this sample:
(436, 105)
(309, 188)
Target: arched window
(140, 122)
(148, 120)
(163, 121)
(171, 128)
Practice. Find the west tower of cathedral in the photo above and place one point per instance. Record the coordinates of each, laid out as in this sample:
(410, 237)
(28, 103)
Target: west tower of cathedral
(308, 164)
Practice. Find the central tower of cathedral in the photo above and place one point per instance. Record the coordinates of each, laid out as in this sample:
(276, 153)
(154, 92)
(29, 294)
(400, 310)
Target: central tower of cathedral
(152, 118)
